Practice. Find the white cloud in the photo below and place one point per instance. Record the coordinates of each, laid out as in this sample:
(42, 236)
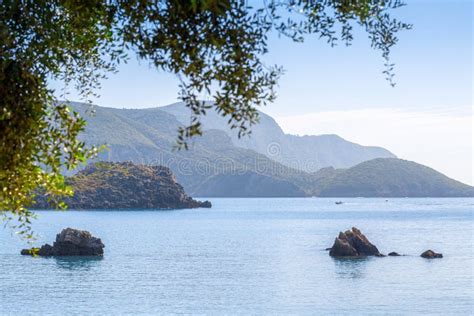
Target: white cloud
(441, 139)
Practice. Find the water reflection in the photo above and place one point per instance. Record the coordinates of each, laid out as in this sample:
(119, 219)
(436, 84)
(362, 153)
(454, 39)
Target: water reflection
(350, 268)
(84, 263)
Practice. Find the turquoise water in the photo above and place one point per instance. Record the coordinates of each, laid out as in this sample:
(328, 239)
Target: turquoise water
(250, 256)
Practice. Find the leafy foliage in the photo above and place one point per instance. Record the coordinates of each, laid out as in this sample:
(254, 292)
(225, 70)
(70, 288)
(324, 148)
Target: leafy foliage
(213, 46)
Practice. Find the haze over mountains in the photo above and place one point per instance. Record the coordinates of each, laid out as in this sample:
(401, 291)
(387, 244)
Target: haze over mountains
(268, 164)
(306, 153)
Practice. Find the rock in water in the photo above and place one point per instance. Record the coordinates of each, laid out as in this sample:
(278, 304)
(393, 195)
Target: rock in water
(342, 248)
(353, 243)
(206, 204)
(394, 254)
(430, 254)
(70, 242)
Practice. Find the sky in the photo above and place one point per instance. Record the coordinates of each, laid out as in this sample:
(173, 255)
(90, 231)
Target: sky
(426, 118)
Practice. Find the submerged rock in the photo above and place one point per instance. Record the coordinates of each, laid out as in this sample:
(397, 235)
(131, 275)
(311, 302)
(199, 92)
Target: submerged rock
(70, 242)
(206, 204)
(353, 243)
(430, 254)
(394, 254)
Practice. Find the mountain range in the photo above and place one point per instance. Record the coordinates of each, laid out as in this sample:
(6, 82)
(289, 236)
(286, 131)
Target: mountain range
(269, 163)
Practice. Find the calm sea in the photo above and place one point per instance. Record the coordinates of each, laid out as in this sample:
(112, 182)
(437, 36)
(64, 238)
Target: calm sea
(250, 256)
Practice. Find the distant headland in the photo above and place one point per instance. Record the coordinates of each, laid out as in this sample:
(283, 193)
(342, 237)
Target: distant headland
(108, 185)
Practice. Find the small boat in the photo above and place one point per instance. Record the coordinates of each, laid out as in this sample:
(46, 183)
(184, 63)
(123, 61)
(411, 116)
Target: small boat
(339, 202)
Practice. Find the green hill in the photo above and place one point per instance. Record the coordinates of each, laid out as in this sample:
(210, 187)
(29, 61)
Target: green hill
(148, 137)
(391, 177)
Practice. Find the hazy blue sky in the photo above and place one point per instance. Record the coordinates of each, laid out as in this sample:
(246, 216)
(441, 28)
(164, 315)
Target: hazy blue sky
(427, 117)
